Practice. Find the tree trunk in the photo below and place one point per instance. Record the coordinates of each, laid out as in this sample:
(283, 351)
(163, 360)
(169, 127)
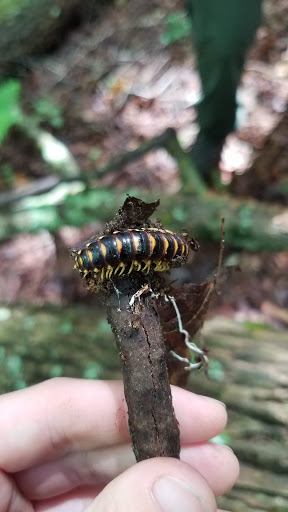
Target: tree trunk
(267, 178)
(33, 26)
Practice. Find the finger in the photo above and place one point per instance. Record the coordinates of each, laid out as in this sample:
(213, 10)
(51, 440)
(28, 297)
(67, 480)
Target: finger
(216, 463)
(94, 468)
(67, 415)
(58, 416)
(75, 501)
(10, 498)
(156, 484)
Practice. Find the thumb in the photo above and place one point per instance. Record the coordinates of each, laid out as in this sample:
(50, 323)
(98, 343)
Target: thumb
(157, 485)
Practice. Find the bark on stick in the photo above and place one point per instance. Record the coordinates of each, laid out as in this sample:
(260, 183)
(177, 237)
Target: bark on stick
(153, 426)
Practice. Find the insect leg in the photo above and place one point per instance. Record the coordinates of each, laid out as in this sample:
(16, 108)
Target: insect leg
(122, 270)
(131, 268)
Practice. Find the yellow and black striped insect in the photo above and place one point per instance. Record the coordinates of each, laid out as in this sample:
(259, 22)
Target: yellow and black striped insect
(133, 249)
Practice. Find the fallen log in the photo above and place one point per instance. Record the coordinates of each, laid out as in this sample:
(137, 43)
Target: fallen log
(249, 224)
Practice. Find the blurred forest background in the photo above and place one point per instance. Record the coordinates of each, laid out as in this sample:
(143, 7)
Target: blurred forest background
(97, 100)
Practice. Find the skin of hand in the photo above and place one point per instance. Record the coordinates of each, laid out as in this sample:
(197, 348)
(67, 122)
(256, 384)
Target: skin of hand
(65, 447)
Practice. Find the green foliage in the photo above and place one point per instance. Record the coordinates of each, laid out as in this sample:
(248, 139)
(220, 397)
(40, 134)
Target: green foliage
(92, 371)
(256, 327)
(7, 175)
(29, 322)
(178, 25)
(10, 8)
(222, 438)
(46, 110)
(10, 111)
(66, 327)
(11, 367)
(56, 370)
(216, 371)
(94, 154)
(179, 213)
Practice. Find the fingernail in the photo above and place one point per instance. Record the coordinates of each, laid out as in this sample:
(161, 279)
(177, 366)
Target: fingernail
(173, 494)
(222, 403)
(214, 400)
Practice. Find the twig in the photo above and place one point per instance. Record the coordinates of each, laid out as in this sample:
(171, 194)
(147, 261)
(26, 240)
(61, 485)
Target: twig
(168, 140)
(153, 426)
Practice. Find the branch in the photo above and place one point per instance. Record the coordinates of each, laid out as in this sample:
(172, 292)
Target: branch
(188, 173)
(168, 139)
(153, 426)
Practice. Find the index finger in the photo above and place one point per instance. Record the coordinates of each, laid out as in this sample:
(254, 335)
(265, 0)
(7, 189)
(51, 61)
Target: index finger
(64, 415)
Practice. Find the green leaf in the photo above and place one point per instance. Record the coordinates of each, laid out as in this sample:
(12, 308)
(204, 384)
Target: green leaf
(178, 26)
(10, 111)
(49, 111)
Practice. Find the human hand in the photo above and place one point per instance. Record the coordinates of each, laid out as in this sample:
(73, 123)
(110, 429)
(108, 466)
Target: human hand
(65, 447)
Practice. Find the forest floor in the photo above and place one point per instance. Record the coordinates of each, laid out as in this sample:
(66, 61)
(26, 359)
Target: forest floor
(120, 80)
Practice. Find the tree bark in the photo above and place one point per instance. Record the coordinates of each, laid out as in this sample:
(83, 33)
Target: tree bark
(267, 178)
(153, 426)
(34, 26)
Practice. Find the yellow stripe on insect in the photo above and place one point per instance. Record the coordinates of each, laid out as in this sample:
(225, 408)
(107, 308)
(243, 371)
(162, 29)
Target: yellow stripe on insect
(175, 248)
(158, 230)
(166, 244)
(135, 241)
(90, 255)
(103, 249)
(152, 242)
(119, 244)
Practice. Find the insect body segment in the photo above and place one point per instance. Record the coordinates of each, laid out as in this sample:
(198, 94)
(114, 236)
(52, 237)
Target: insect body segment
(134, 249)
